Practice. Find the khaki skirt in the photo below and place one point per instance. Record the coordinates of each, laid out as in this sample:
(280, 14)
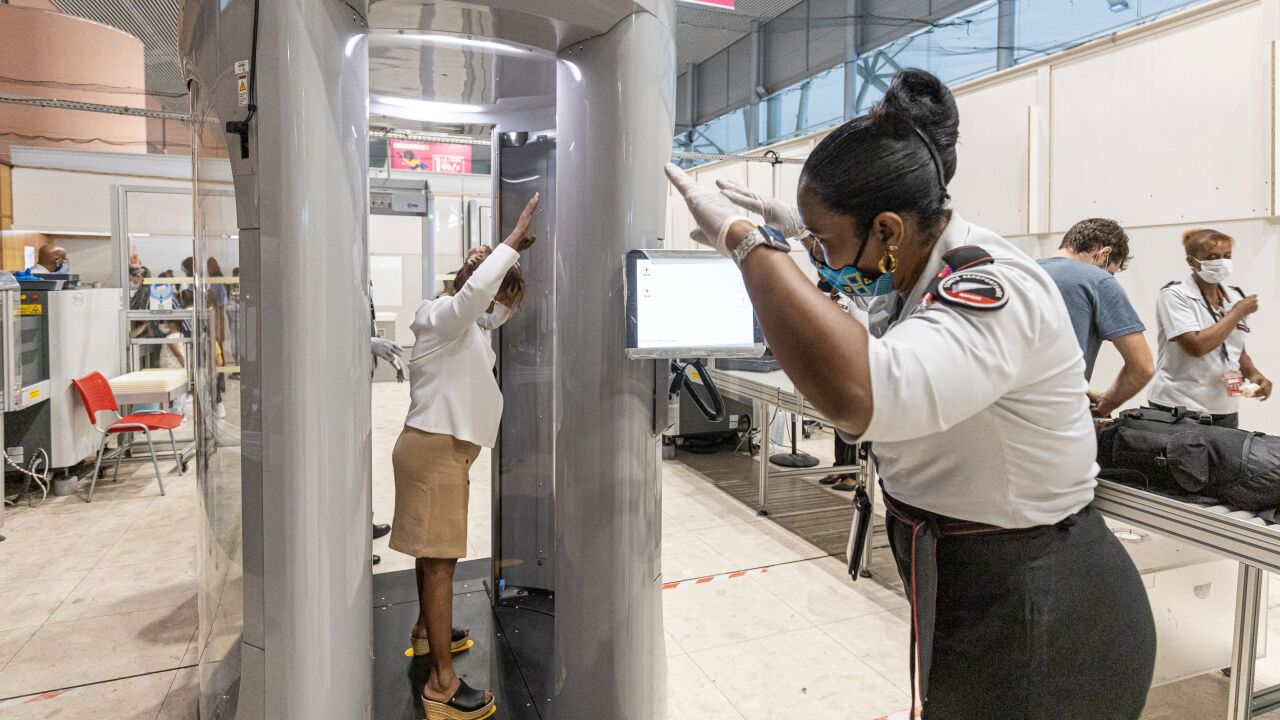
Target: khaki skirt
(433, 487)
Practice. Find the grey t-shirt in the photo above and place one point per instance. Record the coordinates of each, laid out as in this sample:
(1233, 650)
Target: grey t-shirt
(1099, 307)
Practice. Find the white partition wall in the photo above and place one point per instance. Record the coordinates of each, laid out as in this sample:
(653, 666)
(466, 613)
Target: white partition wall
(1164, 127)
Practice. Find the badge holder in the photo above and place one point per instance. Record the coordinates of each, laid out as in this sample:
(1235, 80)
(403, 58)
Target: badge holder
(1235, 383)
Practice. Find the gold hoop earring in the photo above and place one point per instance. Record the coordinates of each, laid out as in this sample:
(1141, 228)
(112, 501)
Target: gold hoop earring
(889, 261)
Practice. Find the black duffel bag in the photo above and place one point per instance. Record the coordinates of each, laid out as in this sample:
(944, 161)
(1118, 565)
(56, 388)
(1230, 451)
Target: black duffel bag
(1180, 452)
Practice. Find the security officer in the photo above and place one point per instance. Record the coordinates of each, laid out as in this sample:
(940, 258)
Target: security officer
(970, 386)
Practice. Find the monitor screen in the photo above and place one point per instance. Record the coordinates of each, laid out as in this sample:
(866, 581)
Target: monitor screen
(688, 304)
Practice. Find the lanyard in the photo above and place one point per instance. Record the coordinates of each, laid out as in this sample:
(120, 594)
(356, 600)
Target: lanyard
(1217, 318)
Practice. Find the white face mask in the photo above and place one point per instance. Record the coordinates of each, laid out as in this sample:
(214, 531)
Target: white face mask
(493, 320)
(1215, 271)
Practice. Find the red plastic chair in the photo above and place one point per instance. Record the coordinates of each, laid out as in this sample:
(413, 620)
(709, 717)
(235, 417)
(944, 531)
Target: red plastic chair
(95, 393)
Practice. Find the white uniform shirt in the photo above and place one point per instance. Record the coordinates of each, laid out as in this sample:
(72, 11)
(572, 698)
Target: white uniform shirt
(451, 383)
(981, 415)
(1181, 379)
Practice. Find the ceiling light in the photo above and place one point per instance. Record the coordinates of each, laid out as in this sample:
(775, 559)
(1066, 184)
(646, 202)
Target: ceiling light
(1118, 6)
(466, 41)
(424, 109)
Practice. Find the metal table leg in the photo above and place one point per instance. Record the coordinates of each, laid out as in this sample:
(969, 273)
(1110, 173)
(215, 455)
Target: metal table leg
(1244, 651)
(766, 419)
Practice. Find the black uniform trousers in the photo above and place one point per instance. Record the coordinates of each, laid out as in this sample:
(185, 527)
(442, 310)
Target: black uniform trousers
(1050, 622)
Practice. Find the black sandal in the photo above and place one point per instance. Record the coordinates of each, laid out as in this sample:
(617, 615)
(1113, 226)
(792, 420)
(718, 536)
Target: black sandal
(467, 704)
(461, 641)
(846, 484)
(829, 480)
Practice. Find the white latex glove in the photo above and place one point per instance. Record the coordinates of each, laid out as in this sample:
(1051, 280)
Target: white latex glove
(713, 213)
(776, 213)
(390, 352)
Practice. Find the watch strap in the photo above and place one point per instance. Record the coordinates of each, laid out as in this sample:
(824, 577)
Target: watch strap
(754, 239)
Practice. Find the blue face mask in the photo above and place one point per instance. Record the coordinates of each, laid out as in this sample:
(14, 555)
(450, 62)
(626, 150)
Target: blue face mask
(851, 281)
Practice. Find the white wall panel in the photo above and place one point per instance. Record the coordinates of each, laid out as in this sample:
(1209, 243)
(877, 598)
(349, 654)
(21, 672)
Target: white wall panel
(760, 178)
(680, 221)
(789, 173)
(990, 186)
(1166, 129)
(73, 201)
(160, 213)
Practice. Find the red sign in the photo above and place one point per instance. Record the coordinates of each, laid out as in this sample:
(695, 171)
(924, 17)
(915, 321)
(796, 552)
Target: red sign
(726, 4)
(418, 156)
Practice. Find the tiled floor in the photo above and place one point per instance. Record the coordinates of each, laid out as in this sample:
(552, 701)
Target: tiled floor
(98, 606)
(98, 603)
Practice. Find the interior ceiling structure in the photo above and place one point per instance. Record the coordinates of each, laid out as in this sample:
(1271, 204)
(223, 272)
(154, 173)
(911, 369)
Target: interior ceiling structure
(702, 32)
(155, 23)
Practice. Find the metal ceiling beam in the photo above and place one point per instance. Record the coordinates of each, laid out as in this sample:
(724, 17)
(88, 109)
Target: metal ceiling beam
(93, 107)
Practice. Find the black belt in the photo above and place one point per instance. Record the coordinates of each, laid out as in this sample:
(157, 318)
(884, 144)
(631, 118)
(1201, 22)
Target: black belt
(926, 529)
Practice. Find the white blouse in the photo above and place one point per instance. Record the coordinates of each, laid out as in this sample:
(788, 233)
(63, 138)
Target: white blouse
(451, 383)
(1181, 378)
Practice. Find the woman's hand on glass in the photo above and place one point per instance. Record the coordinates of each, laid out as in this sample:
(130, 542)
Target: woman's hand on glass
(519, 240)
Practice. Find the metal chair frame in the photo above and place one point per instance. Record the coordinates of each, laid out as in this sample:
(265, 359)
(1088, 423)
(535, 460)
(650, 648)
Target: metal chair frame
(123, 429)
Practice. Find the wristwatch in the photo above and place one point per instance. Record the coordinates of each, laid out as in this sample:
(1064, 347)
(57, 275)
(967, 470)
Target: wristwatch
(760, 236)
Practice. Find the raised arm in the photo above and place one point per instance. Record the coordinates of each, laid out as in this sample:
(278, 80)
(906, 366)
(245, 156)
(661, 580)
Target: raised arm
(453, 314)
(1201, 342)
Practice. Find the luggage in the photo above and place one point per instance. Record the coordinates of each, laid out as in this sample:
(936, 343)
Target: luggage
(1177, 452)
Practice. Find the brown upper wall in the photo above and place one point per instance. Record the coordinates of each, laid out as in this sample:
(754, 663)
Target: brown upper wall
(69, 58)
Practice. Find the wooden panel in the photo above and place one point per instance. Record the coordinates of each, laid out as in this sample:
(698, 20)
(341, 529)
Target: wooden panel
(991, 181)
(13, 248)
(1166, 129)
(6, 197)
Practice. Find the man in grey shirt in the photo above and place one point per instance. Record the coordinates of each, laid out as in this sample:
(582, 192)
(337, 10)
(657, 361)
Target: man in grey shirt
(1084, 269)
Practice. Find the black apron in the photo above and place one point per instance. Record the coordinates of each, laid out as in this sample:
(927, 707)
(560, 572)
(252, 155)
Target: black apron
(1027, 624)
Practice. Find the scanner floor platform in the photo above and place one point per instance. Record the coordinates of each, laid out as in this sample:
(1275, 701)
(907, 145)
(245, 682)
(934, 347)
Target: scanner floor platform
(490, 663)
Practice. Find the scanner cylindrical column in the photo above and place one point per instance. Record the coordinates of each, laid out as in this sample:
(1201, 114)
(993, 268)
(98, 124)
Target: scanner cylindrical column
(614, 111)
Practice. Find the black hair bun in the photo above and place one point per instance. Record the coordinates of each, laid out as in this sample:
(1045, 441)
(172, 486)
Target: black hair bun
(918, 98)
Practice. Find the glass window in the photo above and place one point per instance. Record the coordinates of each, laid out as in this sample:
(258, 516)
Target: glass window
(824, 105)
(812, 104)
(1048, 26)
(725, 134)
(956, 49)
